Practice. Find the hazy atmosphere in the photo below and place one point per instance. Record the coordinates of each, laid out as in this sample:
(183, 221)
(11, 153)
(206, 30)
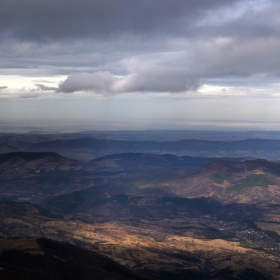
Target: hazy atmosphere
(145, 64)
(140, 139)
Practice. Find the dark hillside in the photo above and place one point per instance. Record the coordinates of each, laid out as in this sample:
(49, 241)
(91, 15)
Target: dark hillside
(145, 162)
(29, 156)
(47, 259)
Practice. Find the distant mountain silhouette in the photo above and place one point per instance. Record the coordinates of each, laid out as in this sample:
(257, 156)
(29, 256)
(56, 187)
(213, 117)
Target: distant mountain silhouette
(189, 144)
(262, 148)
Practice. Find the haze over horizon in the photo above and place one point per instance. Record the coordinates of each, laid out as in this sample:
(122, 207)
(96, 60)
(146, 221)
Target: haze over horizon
(160, 64)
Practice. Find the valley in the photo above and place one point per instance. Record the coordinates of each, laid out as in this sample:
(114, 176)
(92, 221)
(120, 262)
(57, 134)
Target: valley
(150, 246)
(157, 215)
(139, 140)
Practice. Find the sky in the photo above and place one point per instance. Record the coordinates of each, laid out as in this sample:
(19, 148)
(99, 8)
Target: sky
(140, 64)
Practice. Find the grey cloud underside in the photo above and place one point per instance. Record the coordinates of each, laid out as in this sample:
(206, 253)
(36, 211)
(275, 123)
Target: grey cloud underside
(45, 88)
(106, 83)
(122, 46)
(30, 96)
(179, 72)
(50, 20)
(3, 87)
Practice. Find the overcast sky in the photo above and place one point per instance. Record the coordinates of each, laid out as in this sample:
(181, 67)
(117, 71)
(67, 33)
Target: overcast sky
(141, 64)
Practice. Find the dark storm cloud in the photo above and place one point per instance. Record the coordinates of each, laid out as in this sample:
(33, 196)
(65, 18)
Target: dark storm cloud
(38, 20)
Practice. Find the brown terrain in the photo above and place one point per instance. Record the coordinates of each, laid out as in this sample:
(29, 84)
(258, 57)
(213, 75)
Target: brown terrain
(28, 258)
(254, 181)
(145, 248)
(219, 221)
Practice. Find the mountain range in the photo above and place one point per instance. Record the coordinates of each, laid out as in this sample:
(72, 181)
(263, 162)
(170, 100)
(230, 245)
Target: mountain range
(88, 147)
(153, 216)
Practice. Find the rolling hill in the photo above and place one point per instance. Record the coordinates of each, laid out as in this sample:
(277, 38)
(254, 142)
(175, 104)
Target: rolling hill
(34, 176)
(145, 162)
(254, 181)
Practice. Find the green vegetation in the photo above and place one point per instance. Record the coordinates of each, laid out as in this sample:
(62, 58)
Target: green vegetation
(149, 190)
(162, 239)
(244, 244)
(187, 257)
(146, 185)
(80, 243)
(139, 180)
(68, 202)
(213, 233)
(125, 188)
(274, 235)
(219, 178)
(259, 248)
(152, 189)
(203, 205)
(27, 207)
(262, 180)
(48, 214)
(251, 224)
(121, 198)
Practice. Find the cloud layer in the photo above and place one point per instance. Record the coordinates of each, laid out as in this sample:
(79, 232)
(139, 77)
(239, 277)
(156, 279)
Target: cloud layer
(113, 47)
(31, 20)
